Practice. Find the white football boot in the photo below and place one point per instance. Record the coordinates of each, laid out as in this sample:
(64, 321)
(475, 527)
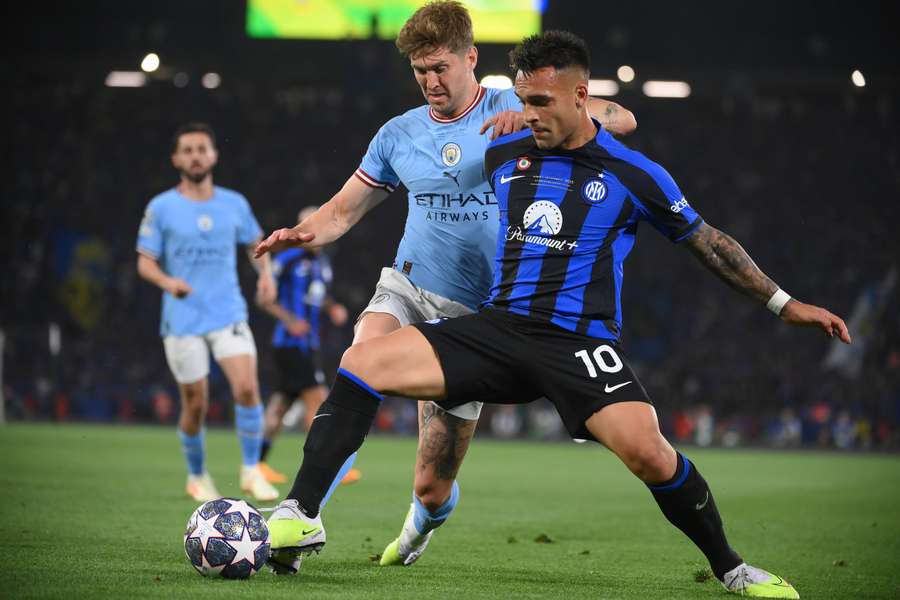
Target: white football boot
(254, 482)
(201, 488)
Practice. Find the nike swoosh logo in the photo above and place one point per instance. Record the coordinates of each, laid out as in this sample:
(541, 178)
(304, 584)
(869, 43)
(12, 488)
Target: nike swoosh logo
(308, 531)
(505, 179)
(322, 415)
(610, 389)
(700, 505)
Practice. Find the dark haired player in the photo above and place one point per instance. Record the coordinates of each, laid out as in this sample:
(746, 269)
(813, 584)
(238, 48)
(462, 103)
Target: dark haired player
(186, 247)
(570, 200)
(443, 265)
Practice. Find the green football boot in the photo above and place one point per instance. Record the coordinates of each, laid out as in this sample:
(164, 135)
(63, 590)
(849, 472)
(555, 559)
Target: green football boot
(757, 583)
(406, 549)
(292, 535)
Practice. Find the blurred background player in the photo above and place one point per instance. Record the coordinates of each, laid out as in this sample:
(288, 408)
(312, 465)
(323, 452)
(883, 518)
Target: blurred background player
(303, 277)
(186, 247)
(443, 266)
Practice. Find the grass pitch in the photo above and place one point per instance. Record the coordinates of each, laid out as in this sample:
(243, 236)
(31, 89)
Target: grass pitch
(99, 512)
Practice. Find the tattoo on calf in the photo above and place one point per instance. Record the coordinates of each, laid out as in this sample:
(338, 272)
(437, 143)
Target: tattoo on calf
(443, 441)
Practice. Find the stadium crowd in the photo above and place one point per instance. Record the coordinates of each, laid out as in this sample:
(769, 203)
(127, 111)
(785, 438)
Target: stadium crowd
(806, 180)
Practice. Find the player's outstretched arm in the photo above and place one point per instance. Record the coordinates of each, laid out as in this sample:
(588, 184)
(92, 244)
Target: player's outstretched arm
(330, 222)
(722, 255)
(148, 268)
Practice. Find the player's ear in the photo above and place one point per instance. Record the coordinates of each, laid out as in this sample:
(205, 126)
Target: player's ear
(472, 57)
(581, 94)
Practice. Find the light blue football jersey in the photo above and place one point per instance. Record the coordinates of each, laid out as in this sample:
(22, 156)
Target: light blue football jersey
(450, 237)
(195, 241)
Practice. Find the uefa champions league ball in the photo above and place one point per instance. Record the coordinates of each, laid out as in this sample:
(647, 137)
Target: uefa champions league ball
(227, 538)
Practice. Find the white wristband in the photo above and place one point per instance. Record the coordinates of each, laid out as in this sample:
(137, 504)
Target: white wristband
(777, 301)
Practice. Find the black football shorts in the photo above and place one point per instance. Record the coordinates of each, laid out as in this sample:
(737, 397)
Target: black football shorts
(297, 371)
(503, 358)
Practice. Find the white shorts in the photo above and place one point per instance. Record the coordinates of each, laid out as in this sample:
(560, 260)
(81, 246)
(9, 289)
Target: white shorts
(188, 355)
(396, 295)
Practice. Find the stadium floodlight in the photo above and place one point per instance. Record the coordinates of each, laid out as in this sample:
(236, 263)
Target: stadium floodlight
(857, 78)
(500, 82)
(126, 79)
(602, 87)
(667, 89)
(211, 81)
(625, 74)
(150, 63)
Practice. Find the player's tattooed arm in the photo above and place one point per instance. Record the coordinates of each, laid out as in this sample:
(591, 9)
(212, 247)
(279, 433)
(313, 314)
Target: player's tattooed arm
(722, 255)
(614, 118)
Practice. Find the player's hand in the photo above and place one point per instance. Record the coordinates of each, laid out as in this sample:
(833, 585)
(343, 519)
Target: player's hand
(283, 238)
(338, 314)
(298, 327)
(178, 287)
(506, 122)
(807, 315)
(265, 289)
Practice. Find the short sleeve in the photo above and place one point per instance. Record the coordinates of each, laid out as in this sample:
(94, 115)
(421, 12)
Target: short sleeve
(661, 202)
(248, 228)
(150, 232)
(375, 169)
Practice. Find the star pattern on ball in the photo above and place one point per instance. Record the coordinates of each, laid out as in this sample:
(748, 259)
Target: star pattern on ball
(206, 529)
(245, 548)
(241, 507)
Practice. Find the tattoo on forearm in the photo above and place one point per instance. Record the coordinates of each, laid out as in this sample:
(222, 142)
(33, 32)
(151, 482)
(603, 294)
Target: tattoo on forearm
(726, 258)
(443, 441)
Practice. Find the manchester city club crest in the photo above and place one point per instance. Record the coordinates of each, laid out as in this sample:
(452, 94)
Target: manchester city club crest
(451, 153)
(204, 222)
(594, 191)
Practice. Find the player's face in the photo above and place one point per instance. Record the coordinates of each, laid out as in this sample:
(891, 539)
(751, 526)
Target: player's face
(553, 103)
(446, 78)
(195, 156)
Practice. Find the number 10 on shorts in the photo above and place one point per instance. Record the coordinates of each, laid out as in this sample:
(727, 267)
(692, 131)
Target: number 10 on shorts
(604, 358)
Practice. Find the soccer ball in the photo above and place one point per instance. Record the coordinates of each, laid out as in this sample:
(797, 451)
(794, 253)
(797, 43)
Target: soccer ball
(228, 538)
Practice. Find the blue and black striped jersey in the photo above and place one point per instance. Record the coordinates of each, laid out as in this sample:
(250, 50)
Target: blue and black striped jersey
(303, 278)
(567, 222)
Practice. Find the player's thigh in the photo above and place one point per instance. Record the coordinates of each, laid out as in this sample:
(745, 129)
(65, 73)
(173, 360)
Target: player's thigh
(374, 324)
(234, 348)
(402, 364)
(187, 357)
(584, 376)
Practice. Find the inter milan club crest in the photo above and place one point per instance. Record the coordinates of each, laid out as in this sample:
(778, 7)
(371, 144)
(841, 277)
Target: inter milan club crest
(523, 163)
(594, 191)
(204, 222)
(451, 153)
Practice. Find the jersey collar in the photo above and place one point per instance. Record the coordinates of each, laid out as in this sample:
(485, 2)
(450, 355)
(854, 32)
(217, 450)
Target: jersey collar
(469, 108)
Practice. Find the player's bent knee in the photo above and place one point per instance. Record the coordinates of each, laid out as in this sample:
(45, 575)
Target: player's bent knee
(650, 462)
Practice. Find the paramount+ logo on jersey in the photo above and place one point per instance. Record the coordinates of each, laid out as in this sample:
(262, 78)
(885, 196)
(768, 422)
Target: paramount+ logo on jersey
(460, 207)
(542, 221)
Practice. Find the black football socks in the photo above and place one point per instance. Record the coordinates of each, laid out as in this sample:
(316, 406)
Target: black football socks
(337, 431)
(688, 504)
